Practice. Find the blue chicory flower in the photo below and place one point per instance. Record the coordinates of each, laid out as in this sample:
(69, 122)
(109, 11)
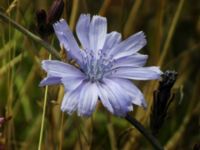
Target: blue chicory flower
(106, 63)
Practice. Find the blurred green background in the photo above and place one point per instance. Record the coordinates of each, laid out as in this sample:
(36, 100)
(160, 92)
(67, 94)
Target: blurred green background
(172, 30)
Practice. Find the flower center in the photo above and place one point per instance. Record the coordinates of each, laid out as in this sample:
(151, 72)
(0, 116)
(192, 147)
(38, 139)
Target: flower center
(96, 65)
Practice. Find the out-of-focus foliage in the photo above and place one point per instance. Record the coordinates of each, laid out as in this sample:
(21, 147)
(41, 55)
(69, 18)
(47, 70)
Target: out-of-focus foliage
(173, 33)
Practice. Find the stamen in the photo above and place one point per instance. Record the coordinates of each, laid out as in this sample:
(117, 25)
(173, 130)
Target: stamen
(96, 65)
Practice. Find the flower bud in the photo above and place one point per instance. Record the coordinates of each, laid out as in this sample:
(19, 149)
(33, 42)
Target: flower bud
(41, 22)
(55, 11)
(45, 20)
(161, 101)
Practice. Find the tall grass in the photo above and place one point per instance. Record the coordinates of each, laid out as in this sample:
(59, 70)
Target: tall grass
(173, 34)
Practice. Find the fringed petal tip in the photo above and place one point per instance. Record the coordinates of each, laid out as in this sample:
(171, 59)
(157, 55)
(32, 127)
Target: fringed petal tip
(85, 15)
(43, 64)
(141, 33)
(66, 111)
(84, 114)
(80, 114)
(144, 105)
(141, 36)
(97, 32)
(42, 83)
(50, 80)
(66, 37)
(158, 71)
(60, 22)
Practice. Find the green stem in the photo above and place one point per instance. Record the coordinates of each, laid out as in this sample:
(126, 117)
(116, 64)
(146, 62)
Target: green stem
(147, 134)
(43, 115)
(43, 118)
(29, 34)
(61, 131)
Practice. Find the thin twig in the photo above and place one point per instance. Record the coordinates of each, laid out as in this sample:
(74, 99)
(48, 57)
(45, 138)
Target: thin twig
(43, 119)
(43, 115)
(111, 134)
(61, 131)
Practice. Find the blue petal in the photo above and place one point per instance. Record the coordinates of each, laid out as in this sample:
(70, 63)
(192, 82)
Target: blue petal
(89, 97)
(129, 46)
(71, 100)
(50, 80)
(114, 97)
(105, 98)
(57, 70)
(132, 90)
(142, 73)
(55, 67)
(71, 83)
(136, 60)
(83, 98)
(66, 38)
(97, 33)
(112, 39)
(82, 30)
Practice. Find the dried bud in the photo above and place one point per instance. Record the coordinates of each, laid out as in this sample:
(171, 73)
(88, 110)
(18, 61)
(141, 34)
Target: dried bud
(55, 11)
(41, 16)
(41, 23)
(45, 20)
(161, 101)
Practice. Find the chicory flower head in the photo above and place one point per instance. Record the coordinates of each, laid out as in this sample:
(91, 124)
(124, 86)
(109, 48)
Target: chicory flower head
(106, 63)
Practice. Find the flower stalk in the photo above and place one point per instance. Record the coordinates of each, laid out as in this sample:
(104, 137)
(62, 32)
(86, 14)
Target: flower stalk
(144, 132)
(43, 118)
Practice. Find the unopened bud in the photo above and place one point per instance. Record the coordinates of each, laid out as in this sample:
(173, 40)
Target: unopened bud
(162, 98)
(45, 20)
(55, 11)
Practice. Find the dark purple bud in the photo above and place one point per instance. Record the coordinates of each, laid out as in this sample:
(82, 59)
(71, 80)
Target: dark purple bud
(162, 98)
(41, 16)
(168, 80)
(41, 23)
(45, 20)
(55, 11)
